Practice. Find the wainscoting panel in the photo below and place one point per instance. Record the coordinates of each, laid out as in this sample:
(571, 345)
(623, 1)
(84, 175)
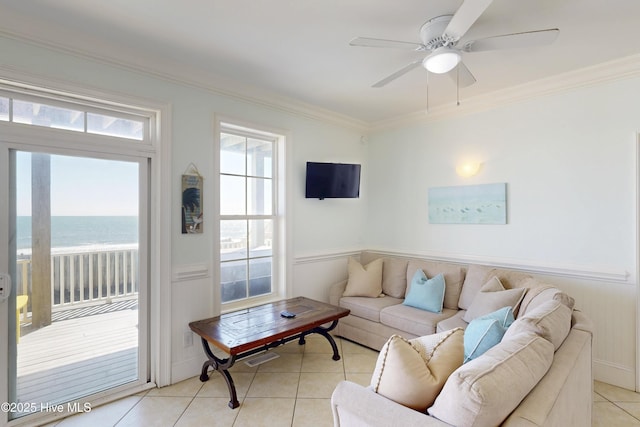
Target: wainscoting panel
(314, 275)
(190, 300)
(607, 297)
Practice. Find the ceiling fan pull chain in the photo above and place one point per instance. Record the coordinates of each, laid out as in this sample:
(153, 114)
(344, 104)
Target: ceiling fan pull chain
(458, 85)
(427, 92)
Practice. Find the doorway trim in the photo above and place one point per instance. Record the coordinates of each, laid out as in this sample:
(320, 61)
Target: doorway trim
(159, 302)
(637, 261)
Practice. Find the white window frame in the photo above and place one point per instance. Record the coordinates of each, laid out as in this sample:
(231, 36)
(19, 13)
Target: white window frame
(280, 273)
(147, 118)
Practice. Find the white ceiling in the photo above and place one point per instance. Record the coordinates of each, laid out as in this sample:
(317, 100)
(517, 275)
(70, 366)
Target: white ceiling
(300, 49)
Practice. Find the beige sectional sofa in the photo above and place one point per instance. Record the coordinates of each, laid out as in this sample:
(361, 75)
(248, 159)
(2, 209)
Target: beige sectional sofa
(540, 374)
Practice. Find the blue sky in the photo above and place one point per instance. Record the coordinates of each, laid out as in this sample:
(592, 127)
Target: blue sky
(82, 186)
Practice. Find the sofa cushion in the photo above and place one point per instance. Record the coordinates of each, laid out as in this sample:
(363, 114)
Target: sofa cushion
(453, 277)
(452, 322)
(394, 277)
(474, 279)
(551, 320)
(486, 331)
(368, 308)
(477, 276)
(486, 390)
(492, 297)
(413, 320)
(364, 281)
(412, 372)
(510, 279)
(426, 294)
(538, 293)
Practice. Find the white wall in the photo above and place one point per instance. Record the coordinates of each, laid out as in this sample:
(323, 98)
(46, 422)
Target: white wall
(336, 224)
(568, 160)
(569, 164)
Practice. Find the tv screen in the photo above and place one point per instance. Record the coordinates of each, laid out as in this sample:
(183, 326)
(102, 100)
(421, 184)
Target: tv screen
(332, 180)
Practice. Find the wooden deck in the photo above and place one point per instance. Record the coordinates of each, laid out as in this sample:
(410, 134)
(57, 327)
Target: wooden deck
(74, 358)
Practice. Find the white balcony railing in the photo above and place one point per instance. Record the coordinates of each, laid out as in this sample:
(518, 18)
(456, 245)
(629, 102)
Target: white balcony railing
(81, 278)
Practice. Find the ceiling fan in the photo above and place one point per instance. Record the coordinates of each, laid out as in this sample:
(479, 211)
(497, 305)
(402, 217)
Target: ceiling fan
(441, 38)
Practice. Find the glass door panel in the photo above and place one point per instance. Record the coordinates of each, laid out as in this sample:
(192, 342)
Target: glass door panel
(76, 278)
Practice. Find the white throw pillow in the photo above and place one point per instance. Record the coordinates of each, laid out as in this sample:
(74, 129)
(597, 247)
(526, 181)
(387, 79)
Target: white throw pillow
(364, 281)
(412, 372)
(493, 296)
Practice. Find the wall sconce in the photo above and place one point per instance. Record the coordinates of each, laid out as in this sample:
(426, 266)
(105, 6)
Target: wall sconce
(467, 169)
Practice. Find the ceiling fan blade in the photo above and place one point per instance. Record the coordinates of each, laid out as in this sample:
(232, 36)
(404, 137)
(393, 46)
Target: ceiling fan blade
(369, 42)
(510, 41)
(401, 72)
(463, 75)
(468, 13)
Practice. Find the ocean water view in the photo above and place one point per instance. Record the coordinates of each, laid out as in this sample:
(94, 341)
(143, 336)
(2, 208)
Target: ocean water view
(75, 231)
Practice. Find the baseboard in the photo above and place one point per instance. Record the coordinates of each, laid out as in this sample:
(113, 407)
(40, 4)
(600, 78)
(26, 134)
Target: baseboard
(611, 373)
(186, 369)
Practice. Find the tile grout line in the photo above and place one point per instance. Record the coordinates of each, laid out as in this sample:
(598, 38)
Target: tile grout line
(246, 394)
(618, 406)
(189, 404)
(130, 409)
(295, 401)
(615, 403)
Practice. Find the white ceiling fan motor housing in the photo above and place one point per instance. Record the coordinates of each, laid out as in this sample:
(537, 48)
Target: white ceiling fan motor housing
(432, 31)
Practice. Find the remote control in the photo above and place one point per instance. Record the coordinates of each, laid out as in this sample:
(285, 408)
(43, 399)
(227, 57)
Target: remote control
(287, 314)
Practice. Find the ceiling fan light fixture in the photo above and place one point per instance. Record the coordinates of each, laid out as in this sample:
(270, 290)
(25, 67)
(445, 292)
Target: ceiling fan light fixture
(442, 60)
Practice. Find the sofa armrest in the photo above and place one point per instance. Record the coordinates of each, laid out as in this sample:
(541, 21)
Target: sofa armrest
(336, 291)
(581, 322)
(354, 406)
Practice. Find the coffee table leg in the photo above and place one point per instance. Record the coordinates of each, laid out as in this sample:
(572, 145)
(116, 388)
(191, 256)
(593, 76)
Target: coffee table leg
(222, 366)
(325, 333)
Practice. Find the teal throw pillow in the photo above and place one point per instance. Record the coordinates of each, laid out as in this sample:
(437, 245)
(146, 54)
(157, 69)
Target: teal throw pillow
(486, 331)
(426, 294)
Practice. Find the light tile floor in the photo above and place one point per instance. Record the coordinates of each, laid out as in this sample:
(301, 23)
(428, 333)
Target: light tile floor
(292, 390)
(614, 406)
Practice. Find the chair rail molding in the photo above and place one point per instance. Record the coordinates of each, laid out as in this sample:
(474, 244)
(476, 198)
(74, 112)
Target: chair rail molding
(183, 273)
(601, 274)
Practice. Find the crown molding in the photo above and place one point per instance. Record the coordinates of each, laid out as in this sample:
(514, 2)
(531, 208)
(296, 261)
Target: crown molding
(618, 69)
(185, 76)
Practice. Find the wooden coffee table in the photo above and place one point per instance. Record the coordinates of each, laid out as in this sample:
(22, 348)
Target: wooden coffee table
(246, 332)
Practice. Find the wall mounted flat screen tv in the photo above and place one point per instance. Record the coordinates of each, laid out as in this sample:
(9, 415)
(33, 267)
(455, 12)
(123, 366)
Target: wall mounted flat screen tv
(332, 181)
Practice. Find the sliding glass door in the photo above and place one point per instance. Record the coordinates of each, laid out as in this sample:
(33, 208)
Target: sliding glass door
(77, 259)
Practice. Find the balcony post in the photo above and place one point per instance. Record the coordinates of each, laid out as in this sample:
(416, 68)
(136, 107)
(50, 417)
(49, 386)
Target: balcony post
(41, 243)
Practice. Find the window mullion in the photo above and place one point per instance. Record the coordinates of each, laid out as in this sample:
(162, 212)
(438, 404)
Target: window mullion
(246, 212)
(246, 179)
(248, 275)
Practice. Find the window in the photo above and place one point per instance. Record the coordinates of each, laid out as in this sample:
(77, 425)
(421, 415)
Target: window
(26, 109)
(4, 109)
(249, 220)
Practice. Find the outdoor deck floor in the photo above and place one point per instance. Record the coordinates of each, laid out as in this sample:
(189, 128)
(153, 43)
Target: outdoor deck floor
(73, 358)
